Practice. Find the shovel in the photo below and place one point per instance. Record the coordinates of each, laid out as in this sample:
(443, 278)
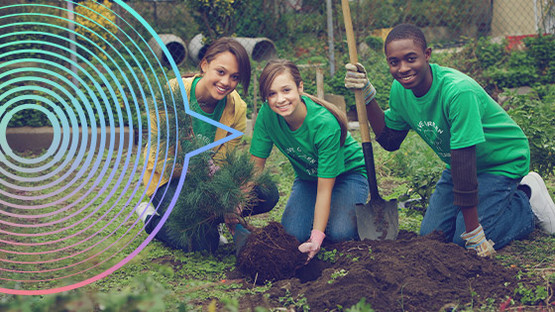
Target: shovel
(378, 219)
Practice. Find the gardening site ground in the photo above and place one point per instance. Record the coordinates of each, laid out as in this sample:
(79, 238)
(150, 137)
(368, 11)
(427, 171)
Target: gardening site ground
(411, 273)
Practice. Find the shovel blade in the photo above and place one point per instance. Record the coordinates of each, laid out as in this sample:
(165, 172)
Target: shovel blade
(378, 220)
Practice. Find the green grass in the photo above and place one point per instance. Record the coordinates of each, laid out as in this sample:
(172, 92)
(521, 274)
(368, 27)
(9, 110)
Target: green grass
(163, 279)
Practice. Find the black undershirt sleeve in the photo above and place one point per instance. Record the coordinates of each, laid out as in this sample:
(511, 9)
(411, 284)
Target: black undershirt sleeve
(465, 177)
(391, 139)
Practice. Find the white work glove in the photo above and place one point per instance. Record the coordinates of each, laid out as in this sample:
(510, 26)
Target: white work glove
(312, 245)
(476, 240)
(356, 78)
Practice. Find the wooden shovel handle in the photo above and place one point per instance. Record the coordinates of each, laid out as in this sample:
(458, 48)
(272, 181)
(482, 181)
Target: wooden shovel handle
(353, 58)
(361, 108)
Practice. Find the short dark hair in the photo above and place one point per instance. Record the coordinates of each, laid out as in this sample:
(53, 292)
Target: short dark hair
(225, 44)
(406, 31)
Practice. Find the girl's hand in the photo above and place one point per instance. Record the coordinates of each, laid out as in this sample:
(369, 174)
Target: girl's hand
(312, 245)
(232, 219)
(212, 168)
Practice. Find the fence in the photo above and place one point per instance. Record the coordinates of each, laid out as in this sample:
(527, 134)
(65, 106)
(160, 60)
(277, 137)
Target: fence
(446, 22)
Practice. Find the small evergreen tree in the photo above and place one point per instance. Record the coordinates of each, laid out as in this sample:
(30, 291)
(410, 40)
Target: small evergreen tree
(209, 192)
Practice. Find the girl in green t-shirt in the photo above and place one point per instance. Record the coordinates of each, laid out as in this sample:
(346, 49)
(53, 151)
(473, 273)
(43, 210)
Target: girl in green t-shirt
(328, 162)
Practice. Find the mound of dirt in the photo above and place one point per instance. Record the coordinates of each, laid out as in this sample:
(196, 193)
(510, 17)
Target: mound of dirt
(270, 254)
(412, 273)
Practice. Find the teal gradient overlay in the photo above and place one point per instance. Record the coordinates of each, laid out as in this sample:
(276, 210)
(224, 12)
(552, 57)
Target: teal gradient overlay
(119, 69)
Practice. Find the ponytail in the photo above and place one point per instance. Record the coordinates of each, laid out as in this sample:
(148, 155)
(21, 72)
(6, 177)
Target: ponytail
(336, 112)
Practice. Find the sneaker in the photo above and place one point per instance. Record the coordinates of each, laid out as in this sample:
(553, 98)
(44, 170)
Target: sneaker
(144, 210)
(223, 240)
(541, 202)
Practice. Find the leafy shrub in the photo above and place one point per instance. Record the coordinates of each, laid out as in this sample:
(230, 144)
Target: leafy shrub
(542, 52)
(261, 22)
(511, 77)
(421, 186)
(490, 53)
(99, 19)
(535, 114)
(375, 43)
(215, 17)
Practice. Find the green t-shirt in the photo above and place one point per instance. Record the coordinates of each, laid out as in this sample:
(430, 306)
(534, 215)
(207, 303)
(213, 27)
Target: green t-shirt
(201, 128)
(313, 149)
(457, 113)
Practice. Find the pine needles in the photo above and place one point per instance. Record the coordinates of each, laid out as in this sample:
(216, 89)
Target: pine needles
(209, 192)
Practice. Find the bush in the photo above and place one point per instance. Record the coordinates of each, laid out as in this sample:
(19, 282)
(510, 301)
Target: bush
(542, 53)
(535, 114)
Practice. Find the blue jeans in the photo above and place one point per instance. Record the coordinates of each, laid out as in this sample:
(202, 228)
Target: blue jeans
(349, 189)
(503, 211)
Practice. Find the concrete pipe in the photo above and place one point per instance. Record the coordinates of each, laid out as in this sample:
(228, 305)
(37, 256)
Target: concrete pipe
(259, 49)
(175, 45)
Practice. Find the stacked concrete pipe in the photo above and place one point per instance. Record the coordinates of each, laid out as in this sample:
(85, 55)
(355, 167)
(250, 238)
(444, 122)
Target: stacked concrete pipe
(175, 45)
(259, 49)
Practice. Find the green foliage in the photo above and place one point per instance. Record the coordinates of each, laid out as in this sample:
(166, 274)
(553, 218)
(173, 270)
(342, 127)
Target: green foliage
(489, 53)
(94, 20)
(32, 24)
(515, 68)
(361, 306)
(388, 13)
(30, 118)
(216, 18)
(300, 303)
(518, 71)
(541, 49)
(531, 296)
(210, 197)
(421, 187)
(337, 274)
(145, 294)
(261, 21)
(375, 43)
(327, 255)
(535, 114)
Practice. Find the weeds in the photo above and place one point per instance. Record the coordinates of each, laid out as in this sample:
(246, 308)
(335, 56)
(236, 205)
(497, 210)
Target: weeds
(531, 296)
(361, 306)
(337, 274)
(327, 255)
(300, 303)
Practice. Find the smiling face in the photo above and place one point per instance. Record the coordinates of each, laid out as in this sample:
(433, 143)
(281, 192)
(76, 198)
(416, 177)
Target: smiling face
(409, 64)
(284, 96)
(220, 78)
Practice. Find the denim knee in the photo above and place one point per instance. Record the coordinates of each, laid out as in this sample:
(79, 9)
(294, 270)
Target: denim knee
(342, 232)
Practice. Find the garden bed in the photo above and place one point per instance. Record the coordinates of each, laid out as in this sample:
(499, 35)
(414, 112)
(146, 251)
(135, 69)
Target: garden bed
(412, 273)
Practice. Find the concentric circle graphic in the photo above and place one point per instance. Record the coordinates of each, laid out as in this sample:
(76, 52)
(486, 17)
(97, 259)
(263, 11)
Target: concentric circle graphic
(88, 73)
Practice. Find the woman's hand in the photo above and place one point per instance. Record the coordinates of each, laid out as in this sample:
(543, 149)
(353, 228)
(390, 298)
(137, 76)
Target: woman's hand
(312, 245)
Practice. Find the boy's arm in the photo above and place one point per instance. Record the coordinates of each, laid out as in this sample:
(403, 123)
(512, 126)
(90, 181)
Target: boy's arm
(465, 193)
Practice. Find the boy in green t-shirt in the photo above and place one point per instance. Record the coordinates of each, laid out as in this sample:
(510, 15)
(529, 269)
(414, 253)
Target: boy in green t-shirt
(486, 196)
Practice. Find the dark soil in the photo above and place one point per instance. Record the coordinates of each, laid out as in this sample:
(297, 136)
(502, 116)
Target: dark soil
(270, 254)
(412, 273)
